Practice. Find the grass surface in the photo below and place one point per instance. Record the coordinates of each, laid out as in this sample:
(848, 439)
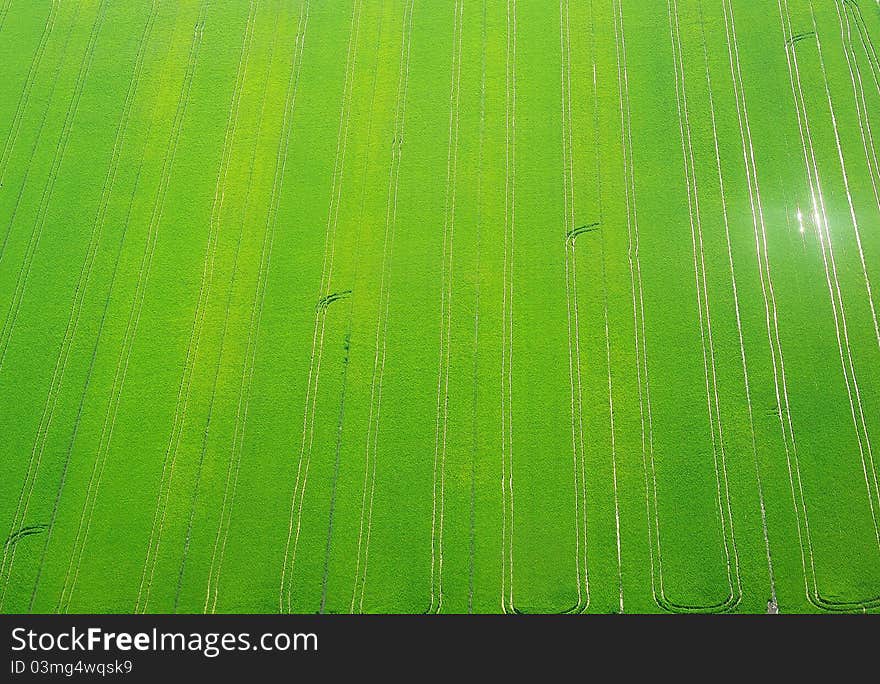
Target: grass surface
(407, 306)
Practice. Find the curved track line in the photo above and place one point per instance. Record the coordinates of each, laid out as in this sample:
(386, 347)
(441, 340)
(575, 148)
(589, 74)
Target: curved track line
(507, 604)
(63, 357)
(376, 383)
(43, 207)
(192, 351)
(336, 187)
(821, 219)
(83, 529)
(735, 290)
(218, 553)
(446, 291)
(15, 126)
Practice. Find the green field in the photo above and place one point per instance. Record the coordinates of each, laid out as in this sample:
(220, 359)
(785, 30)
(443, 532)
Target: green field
(439, 306)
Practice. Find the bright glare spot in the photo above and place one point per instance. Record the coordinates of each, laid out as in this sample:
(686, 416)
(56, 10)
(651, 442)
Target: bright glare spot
(800, 218)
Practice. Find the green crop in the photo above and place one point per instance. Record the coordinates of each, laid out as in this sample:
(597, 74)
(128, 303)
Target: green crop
(448, 306)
